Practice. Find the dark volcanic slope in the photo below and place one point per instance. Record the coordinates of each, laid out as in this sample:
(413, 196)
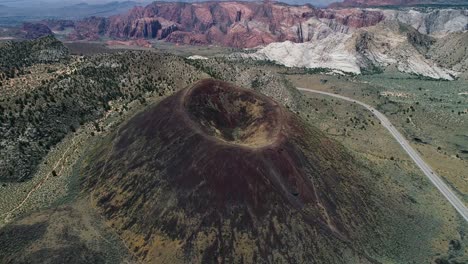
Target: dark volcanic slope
(216, 173)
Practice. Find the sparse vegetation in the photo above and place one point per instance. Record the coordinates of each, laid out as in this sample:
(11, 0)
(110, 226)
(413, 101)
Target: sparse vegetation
(50, 111)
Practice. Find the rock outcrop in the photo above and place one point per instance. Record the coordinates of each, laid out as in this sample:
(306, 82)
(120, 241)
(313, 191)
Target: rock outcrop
(435, 22)
(366, 50)
(236, 24)
(347, 39)
(90, 29)
(368, 3)
(252, 24)
(374, 3)
(451, 52)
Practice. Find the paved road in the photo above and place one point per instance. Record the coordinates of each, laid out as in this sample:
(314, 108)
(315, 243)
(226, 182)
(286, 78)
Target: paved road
(425, 168)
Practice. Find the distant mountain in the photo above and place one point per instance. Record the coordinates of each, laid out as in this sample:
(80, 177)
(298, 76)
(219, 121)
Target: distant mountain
(431, 44)
(369, 3)
(27, 13)
(84, 9)
(36, 30)
(236, 24)
(251, 24)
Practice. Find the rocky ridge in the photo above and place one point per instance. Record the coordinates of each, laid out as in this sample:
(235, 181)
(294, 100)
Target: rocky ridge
(434, 22)
(367, 3)
(409, 46)
(351, 40)
(252, 24)
(236, 24)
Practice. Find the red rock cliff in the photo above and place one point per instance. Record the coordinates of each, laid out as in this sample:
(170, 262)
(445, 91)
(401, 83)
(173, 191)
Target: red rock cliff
(236, 24)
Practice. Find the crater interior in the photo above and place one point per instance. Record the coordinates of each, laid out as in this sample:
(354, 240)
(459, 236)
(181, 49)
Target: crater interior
(232, 114)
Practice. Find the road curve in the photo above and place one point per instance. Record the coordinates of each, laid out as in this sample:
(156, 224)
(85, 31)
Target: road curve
(425, 168)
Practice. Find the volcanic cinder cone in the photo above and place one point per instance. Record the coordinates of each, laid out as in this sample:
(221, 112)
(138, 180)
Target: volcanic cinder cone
(216, 173)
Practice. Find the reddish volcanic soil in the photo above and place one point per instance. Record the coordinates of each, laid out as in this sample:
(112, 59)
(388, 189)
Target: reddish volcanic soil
(217, 173)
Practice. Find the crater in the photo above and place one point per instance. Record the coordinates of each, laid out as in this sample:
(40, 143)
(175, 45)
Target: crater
(199, 158)
(233, 115)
